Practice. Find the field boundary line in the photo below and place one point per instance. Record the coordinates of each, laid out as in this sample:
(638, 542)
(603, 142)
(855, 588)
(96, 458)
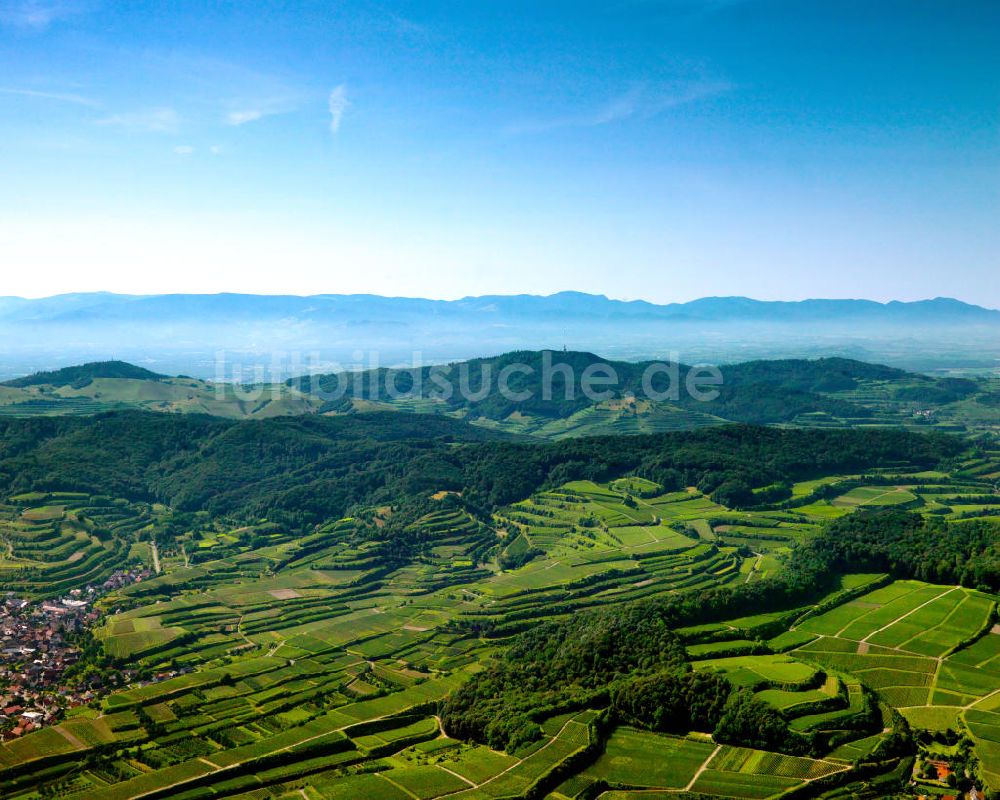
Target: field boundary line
(894, 490)
(69, 737)
(703, 767)
(941, 624)
(982, 699)
(460, 777)
(156, 556)
(514, 765)
(912, 611)
(839, 634)
(903, 653)
(401, 788)
(217, 768)
(613, 511)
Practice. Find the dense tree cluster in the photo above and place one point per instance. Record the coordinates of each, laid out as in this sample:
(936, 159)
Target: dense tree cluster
(733, 493)
(943, 390)
(312, 467)
(561, 664)
(911, 546)
(815, 374)
(750, 722)
(672, 702)
(307, 469)
(498, 474)
(678, 702)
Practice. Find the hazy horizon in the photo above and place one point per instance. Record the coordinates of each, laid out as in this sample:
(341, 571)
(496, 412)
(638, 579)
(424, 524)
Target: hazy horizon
(451, 299)
(193, 334)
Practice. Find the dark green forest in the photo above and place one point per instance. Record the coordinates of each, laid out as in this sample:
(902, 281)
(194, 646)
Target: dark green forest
(754, 392)
(301, 470)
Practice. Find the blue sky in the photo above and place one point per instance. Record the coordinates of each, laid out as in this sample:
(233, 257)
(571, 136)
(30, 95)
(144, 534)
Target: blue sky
(664, 149)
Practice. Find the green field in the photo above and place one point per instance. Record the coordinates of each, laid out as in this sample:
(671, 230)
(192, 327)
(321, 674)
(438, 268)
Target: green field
(639, 759)
(317, 672)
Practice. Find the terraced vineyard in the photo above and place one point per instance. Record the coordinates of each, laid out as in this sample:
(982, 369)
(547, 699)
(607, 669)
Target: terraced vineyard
(313, 666)
(53, 543)
(926, 650)
(626, 416)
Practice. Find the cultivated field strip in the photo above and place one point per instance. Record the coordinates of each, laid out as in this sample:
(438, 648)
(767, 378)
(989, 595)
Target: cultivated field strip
(278, 666)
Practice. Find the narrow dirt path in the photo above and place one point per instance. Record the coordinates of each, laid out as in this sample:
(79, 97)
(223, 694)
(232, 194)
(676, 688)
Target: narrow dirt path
(399, 786)
(702, 768)
(69, 737)
(156, 556)
(460, 777)
(912, 611)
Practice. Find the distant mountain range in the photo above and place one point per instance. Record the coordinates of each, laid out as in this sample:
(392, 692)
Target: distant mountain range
(103, 306)
(184, 333)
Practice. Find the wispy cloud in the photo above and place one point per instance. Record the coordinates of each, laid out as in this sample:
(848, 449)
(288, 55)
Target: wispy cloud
(244, 111)
(640, 102)
(36, 15)
(407, 26)
(244, 116)
(154, 120)
(184, 149)
(233, 93)
(680, 94)
(338, 104)
(59, 97)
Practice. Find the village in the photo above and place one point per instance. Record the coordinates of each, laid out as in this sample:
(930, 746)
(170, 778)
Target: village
(940, 770)
(40, 657)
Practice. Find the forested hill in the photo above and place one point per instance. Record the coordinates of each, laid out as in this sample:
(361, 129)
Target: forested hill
(815, 375)
(545, 386)
(526, 370)
(305, 469)
(82, 375)
(544, 394)
(541, 393)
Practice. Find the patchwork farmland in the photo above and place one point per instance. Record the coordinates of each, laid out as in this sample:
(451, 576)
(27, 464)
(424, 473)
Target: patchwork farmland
(283, 666)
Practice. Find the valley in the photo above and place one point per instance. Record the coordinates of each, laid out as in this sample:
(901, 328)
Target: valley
(348, 658)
